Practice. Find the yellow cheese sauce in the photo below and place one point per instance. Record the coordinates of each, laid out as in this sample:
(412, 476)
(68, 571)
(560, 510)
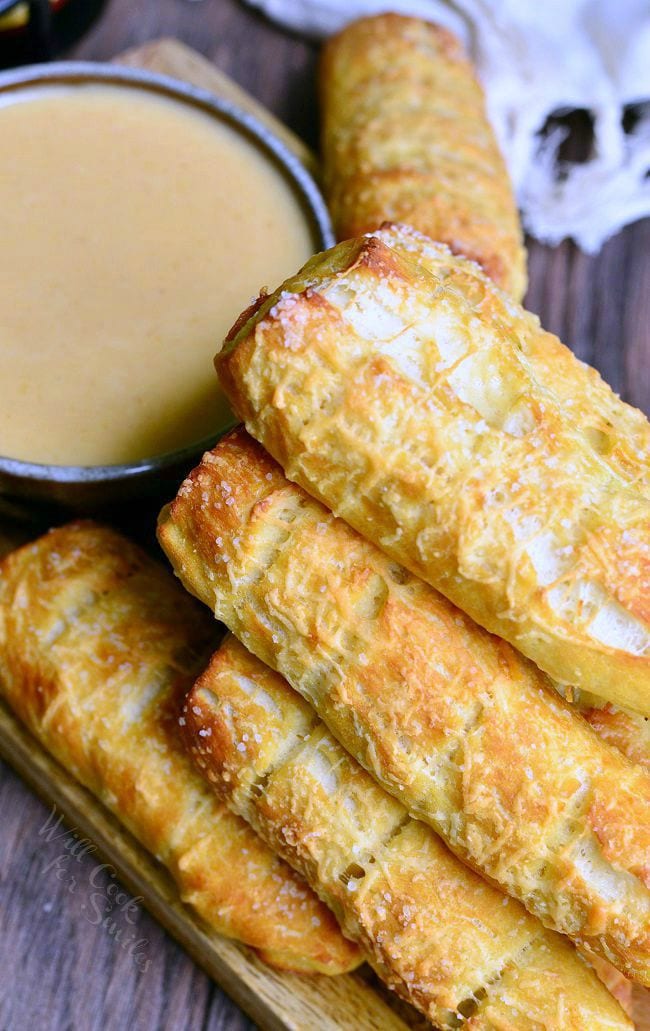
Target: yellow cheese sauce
(133, 231)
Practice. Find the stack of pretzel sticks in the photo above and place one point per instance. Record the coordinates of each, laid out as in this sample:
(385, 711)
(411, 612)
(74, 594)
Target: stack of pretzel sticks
(486, 482)
(423, 776)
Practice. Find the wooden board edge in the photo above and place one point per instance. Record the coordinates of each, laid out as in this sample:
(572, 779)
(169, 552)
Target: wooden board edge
(275, 1001)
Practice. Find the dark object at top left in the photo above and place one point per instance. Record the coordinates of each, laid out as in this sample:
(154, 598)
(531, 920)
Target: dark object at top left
(39, 30)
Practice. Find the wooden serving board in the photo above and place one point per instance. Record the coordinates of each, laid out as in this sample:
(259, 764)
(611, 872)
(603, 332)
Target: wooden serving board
(275, 1001)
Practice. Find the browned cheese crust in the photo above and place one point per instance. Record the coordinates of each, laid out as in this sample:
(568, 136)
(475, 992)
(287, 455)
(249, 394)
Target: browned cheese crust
(405, 137)
(407, 401)
(435, 932)
(627, 731)
(456, 724)
(98, 646)
(618, 431)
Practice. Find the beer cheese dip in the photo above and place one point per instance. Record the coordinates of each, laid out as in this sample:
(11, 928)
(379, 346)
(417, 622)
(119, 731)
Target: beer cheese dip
(134, 229)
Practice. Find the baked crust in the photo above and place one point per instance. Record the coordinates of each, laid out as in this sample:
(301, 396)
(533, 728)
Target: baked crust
(98, 646)
(627, 731)
(405, 401)
(405, 137)
(619, 432)
(437, 933)
(468, 734)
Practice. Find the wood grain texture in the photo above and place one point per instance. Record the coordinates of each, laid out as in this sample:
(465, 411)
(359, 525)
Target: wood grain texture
(57, 969)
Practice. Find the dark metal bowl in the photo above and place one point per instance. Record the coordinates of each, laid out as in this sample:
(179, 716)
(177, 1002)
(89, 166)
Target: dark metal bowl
(92, 488)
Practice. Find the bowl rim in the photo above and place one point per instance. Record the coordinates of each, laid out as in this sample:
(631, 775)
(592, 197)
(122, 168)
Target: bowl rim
(79, 73)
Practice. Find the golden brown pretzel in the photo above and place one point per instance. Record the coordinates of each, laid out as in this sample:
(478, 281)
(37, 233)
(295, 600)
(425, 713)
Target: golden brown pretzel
(434, 931)
(407, 402)
(405, 138)
(98, 646)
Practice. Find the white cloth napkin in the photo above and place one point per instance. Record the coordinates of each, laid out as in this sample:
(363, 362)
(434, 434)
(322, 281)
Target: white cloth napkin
(537, 58)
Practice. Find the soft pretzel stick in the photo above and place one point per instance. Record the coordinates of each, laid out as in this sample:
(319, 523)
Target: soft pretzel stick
(405, 137)
(434, 931)
(98, 645)
(407, 403)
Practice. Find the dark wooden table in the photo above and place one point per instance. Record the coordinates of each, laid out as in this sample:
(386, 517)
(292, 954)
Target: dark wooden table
(59, 968)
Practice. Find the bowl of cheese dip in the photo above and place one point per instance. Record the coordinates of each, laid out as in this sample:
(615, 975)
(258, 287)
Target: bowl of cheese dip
(138, 217)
